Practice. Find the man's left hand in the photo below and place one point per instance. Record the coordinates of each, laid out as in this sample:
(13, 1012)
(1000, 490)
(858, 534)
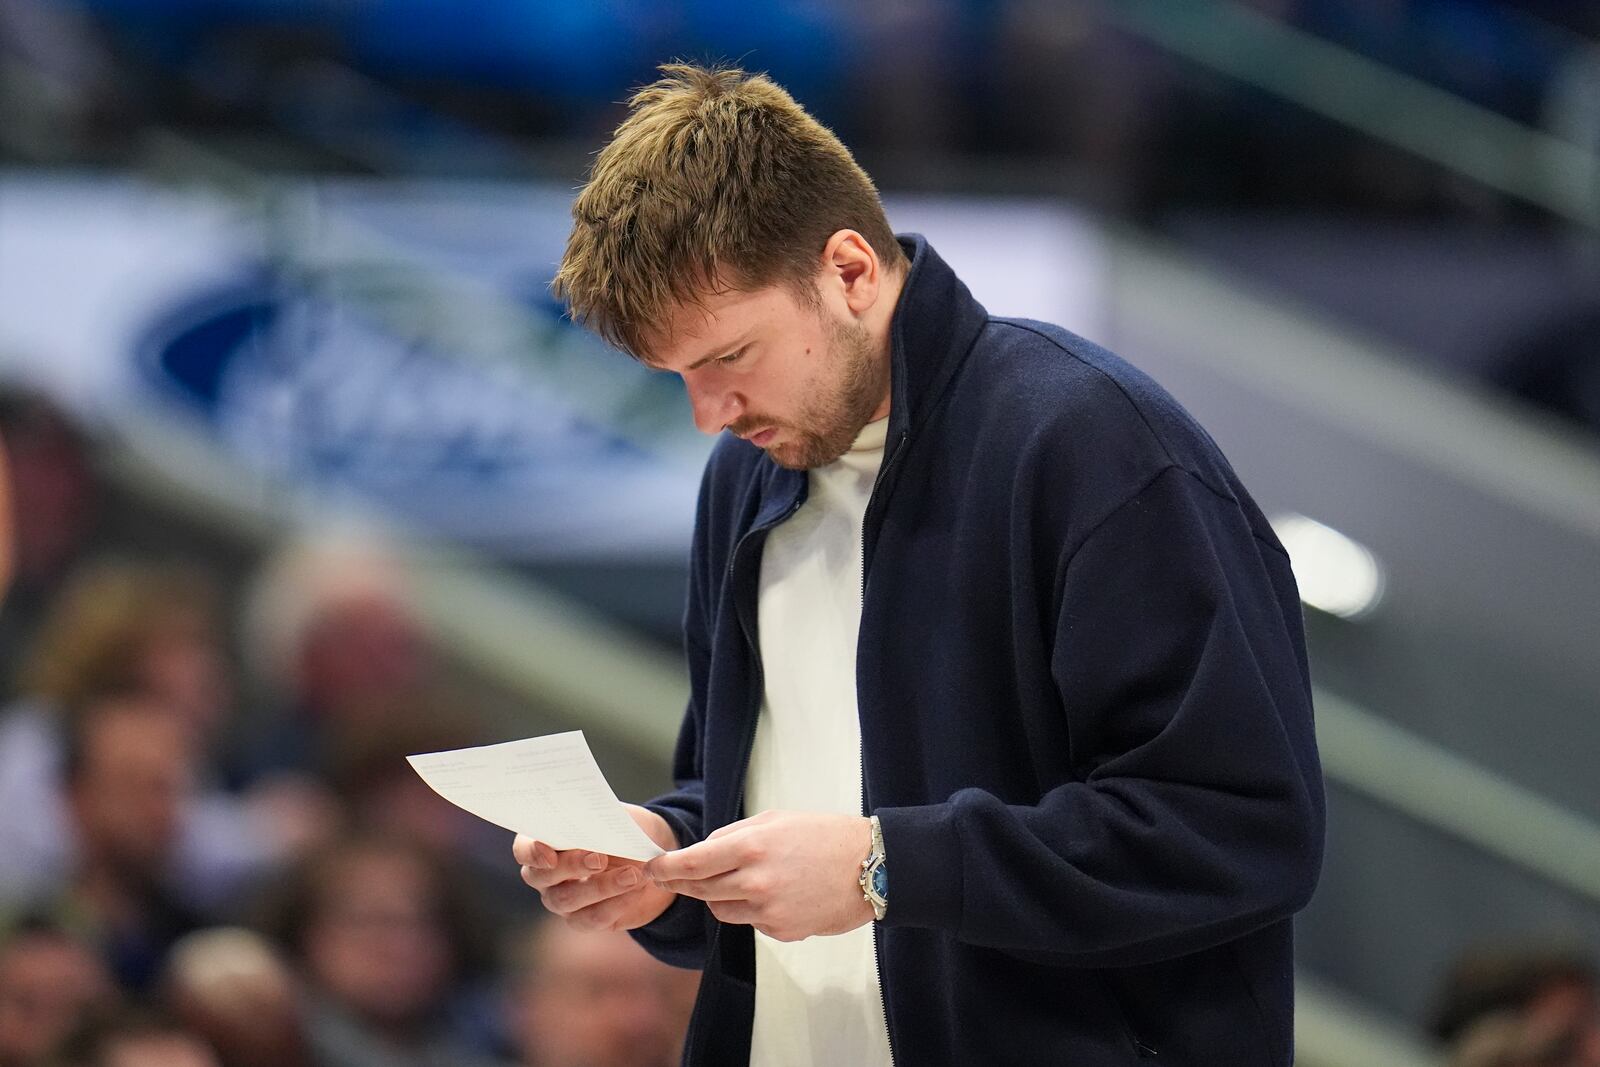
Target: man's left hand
(789, 874)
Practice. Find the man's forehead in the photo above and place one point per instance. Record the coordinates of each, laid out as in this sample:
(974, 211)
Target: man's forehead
(693, 330)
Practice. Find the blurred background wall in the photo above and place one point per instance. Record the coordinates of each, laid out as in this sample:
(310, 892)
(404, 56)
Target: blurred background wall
(274, 326)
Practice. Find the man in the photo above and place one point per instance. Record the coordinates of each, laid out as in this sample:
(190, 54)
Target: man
(971, 600)
(593, 999)
(53, 497)
(383, 936)
(6, 559)
(128, 772)
(49, 983)
(1505, 1006)
(135, 1038)
(232, 988)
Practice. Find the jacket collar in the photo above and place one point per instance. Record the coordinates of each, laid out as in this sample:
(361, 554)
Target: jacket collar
(932, 330)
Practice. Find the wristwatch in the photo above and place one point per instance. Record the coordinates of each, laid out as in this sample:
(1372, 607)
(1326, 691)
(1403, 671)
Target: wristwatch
(874, 876)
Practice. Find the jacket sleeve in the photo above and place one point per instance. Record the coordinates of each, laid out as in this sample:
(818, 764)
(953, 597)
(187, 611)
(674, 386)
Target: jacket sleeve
(1197, 813)
(678, 935)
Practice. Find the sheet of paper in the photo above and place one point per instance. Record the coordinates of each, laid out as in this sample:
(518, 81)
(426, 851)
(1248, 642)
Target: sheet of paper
(549, 788)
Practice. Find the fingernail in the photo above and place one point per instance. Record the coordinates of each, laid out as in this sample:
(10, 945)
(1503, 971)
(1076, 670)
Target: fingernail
(594, 861)
(628, 877)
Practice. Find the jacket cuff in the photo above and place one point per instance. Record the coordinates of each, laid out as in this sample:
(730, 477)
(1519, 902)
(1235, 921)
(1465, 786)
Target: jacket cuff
(678, 935)
(686, 833)
(922, 850)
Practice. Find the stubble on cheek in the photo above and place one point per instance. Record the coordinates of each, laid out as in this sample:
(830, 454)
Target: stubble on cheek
(840, 402)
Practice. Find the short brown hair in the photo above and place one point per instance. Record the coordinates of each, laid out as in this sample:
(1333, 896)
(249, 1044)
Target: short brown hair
(716, 177)
(96, 637)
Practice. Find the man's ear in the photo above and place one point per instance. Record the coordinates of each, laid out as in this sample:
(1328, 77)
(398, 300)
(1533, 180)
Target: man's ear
(850, 264)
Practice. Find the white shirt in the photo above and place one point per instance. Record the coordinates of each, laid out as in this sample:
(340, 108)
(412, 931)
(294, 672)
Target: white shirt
(818, 1001)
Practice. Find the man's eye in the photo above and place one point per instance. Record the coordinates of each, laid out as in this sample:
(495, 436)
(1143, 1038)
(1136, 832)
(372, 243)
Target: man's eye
(732, 357)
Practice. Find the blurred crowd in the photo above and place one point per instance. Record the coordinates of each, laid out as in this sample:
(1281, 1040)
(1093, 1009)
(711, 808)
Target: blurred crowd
(1519, 1006)
(212, 850)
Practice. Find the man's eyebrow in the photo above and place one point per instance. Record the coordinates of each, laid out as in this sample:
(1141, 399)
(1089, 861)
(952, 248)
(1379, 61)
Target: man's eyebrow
(738, 345)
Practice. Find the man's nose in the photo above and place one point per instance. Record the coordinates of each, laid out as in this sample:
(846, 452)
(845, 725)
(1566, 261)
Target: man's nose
(713, 408)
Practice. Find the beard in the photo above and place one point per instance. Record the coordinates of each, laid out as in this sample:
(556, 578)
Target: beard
(832, 417)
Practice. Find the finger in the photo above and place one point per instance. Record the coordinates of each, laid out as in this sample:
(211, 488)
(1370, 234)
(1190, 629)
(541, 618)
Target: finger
(571, 896)
(613, 913)
(697, 862)
(736, 885)
(569, 866)
(563, 866)
(734, 911)
(532, 853)
(742, 824)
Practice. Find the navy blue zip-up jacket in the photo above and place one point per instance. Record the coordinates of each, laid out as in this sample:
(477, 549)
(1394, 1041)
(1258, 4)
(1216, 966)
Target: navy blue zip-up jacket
(1085, 713)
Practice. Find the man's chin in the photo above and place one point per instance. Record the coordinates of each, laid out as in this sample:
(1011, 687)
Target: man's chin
(803, 455)
(788, 457)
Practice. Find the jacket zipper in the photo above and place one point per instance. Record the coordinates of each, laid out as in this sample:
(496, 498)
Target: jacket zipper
(877, 944)
(761, 682)
(692, 1032)
(750, 640)
(750, 737)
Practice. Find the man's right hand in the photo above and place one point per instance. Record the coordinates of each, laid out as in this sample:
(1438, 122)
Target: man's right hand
(591, 890)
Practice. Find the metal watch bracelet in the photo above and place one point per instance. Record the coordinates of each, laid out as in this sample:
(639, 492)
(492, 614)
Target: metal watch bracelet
(874, 876)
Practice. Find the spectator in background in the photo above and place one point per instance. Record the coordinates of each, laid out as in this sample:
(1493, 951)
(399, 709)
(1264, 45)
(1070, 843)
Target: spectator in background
(1520, 1008)
(232, 988)
(577, 999)
(138, 628)
(334, 638)
(129, 768)
(1505, 1040)
(49, 983)
(49, 468)
(126, 625)
(7, 552)
(385, 940)
(133, 1039)
(383, 795)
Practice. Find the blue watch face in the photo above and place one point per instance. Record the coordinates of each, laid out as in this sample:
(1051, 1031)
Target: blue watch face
(880, 881)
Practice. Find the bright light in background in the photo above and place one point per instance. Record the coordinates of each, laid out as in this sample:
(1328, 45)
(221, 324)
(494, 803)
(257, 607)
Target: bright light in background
(1335, 574)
